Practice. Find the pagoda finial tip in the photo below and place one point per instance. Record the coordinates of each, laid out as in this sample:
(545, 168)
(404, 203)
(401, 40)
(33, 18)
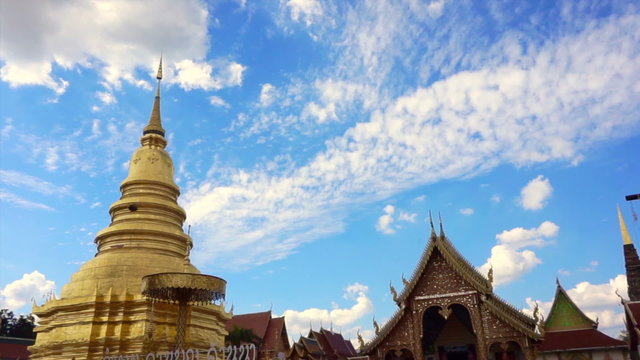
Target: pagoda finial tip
(159, 74)
(626, 238)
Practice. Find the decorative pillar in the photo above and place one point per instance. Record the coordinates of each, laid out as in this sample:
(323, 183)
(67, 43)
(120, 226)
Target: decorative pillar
(482, 352)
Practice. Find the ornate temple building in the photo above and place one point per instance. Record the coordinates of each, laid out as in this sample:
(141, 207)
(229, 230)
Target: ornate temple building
(322, 345)
(270, 333)
(570, 334)
(448, 311)
(140, 293)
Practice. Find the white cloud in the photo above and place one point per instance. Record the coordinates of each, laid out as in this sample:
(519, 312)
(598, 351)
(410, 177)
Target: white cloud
(520, 237)
(298, 320)
(16, 200)
(408, 217)
(384, 221)
(338, 95)
(34, 184)
(564, 272)
(508, 258)
(20, 292)
(509, 264)
(106, 97)
(95, 205)
(495, 198)
(67, 152)
(597, 301)
(98, 35)
(191, 74)
(267, 94)
(27, 73)
(322, 114)
(435, 8)
(218, 101)
(95, 130)
(420, 198)
(509, 113)
(305, 10)
(535, 194)
(466, 211)
(592, 266)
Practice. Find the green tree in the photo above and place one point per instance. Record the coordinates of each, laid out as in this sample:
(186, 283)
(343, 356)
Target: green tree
(239, 336)
(20, 327)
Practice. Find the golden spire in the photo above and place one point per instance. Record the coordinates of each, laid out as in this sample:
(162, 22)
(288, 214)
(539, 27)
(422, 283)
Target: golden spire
(155, 124)
(626, 238)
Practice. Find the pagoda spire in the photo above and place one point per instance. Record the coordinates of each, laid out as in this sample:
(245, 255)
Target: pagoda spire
(626, 238)
(155, 123)
(631, 261)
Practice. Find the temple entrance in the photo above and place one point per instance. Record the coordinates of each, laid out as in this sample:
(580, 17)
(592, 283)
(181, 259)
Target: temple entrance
(404, 354)
(456, 352)
(448, 334)
(506, 351)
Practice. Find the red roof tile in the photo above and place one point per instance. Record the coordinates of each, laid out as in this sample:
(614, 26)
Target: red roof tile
(338, 344)
(634, 312)
(274, 334)
(14, 351)
(324, 343)
(578, 339)
(257, 322)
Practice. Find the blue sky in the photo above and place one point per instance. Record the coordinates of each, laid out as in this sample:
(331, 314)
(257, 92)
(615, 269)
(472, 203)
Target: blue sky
(310, 139)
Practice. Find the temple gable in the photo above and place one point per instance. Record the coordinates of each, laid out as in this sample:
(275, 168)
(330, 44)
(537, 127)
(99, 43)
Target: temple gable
(439, 278)
(447, 310)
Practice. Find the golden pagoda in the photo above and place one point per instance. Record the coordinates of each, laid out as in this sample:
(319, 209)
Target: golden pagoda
(103, 308)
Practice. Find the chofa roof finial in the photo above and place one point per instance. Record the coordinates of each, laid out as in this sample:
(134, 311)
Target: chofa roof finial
(433, 230)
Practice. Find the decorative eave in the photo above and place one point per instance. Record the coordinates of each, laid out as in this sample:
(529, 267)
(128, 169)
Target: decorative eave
(384, 331)
(511, 315)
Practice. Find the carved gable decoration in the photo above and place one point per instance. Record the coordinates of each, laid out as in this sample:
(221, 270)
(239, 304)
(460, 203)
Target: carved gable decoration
(444, 279)
(439, 278)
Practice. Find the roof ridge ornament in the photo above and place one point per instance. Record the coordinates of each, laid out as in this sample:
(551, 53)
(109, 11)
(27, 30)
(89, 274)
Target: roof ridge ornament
(433, 230)
(441, 227)
(490, 274)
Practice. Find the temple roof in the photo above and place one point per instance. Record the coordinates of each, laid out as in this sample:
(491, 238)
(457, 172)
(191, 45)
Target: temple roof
(568, 328)
(256, 322)
(440, 243)
(579, 339)
(566, 315)
(276, 330)
(269, 330)
(632, 311)
(334, 343)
